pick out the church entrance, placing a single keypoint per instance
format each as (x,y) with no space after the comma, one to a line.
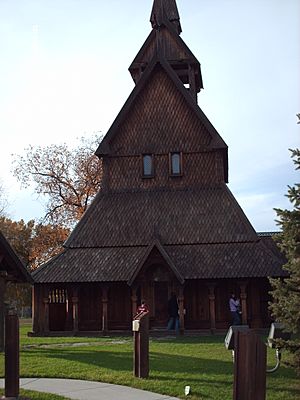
(155,283)
(160,304)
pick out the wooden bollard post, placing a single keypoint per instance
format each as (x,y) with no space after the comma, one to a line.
(141,345)
(12,355)
(250,361)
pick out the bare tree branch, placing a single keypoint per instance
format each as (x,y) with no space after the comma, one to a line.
(69,178)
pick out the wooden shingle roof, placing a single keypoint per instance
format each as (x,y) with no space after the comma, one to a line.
(203,234)
(180,51)
(11,264)
(204,214)
(159,64)
(205,261)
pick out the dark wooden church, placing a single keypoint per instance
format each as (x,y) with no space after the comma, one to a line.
(164,220)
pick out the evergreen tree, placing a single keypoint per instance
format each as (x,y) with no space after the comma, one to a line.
(285,305)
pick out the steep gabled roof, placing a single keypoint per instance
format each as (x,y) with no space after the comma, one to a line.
(198,215)
(157,62)
(156,245)
(152,41)
(10,263)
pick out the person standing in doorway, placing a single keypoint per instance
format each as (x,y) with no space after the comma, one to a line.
(173,313)
(234,306)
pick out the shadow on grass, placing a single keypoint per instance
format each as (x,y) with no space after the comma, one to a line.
(207,377)
(123,360)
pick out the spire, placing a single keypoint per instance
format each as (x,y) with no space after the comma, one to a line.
(165,9)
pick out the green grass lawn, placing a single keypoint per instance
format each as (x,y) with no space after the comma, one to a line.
(32,395)
(201,362)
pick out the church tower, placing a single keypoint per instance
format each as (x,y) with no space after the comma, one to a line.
(164,41)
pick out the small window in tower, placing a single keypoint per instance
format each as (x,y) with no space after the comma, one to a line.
(175,164)
(148,168)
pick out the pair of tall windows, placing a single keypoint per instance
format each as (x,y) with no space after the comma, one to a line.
(175,164)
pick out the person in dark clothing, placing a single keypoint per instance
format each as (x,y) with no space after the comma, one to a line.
(173,313)
(234,306)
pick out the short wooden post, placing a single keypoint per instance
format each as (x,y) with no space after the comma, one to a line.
(75,313)
(141,346)
(11,355)
(250,360)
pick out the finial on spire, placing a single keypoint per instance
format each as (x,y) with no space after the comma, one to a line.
(165,9)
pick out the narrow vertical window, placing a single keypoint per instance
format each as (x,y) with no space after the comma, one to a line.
(148,170)
(176,164)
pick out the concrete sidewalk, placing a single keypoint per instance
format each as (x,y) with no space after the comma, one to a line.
(86,390)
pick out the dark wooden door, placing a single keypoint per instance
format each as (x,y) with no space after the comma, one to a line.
(57,316)
(160,304)
(90,308)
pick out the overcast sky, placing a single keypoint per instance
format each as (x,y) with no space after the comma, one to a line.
(63,73)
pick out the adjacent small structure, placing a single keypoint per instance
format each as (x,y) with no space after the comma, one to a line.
(11,270)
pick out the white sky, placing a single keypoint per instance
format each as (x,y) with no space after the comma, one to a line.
(63,73)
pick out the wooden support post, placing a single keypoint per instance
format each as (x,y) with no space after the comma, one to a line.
(46,314)
(250,360)
(141,345)
(181,310)
(243,286)
(34,307)
(37,309)
(104,309)
(75,314)
(2,309)
(133,302)
(12,355)
(212,306)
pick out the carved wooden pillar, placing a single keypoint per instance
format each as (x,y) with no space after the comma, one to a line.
(2,309)
(104,309)
(75,311)
(133,302)
(181,310)
(243,286)
(46,314)
(212,306)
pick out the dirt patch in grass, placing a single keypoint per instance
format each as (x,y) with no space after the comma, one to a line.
(77,344)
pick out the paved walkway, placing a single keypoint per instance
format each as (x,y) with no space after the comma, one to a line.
(86,390)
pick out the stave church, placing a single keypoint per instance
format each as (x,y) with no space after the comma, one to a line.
(164,219)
